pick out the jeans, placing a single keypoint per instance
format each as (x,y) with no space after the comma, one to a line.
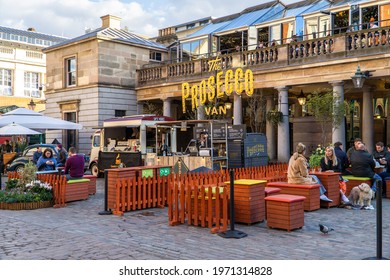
(376,178)
(322,188)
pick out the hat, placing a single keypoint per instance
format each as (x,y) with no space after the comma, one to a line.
(59,146)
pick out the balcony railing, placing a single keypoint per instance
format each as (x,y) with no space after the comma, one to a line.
(350,44)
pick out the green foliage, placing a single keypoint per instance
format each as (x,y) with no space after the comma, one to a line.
(31,192)
(315,158)
(29,173)
(275,117)
(326,108)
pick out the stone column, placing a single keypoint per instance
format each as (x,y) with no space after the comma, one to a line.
(200,112)
(237,109)
(270,131)
(283,127)
(140,108)
(167,107)
(338,134)
(368,119)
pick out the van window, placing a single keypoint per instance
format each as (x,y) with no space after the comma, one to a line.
(96,141)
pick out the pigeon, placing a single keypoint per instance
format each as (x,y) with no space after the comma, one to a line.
(324,229)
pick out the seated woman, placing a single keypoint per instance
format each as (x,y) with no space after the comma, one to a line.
(297,172)
(47,162)
(330,163)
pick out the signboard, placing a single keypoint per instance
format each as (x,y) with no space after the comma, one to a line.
(147,173)
(219,131)
(236,131)
(165,171)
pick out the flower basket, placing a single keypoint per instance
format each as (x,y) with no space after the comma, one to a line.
(275,117)
(25,205)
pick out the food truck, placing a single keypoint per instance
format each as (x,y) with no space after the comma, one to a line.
(192,143)
(123,142)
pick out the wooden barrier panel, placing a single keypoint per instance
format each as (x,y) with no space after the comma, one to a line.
(205,206)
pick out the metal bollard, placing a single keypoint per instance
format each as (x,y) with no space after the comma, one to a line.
(105,211)
(232,233)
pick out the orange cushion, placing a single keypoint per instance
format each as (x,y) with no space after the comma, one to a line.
(298,186)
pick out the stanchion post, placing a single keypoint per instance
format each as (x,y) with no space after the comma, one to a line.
(378,223)
(105,211)
(232,233)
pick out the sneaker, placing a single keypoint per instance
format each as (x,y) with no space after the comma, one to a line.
(344,198)
(325,198)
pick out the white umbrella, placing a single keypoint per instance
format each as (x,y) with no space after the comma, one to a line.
(16,129)
(35,120)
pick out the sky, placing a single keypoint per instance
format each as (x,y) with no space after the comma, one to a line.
(70,18)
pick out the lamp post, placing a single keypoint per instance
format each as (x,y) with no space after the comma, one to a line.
(32,105)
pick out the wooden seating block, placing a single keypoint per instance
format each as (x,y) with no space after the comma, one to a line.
(92,183)
(271,191)
(330,180)
(76,190)
(285,211)
(310,192)
(249,204)
(355,181)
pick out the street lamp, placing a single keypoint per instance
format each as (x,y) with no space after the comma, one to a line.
(31,105)
(301,99)
(359,77)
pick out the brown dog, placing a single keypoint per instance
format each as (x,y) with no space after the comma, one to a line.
(361,194)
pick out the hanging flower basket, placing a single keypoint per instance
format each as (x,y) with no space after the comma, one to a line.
(275,117)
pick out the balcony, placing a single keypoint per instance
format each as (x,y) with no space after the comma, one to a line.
(346,47)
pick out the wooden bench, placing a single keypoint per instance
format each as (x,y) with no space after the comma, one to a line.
(92,183)
(76,189)
(285,211)
(310,192)
(355,181)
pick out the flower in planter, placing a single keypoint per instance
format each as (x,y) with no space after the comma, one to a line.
(31,192)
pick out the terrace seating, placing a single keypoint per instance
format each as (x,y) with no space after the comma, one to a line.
(77,189)
(310,192)
(355,181)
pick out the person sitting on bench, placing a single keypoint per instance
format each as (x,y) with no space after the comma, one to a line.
(297,172)
(74,165)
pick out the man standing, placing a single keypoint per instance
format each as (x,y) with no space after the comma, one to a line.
(74,166)
(342,156)
(37,154)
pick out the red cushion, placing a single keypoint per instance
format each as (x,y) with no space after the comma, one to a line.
(285,198)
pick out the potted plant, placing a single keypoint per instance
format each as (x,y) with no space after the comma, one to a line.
(315,158)
(26,193)
(275,116)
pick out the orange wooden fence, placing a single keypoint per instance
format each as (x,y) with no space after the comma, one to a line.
(146,192)
(199,205)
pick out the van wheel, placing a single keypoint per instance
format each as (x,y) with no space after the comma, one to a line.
(95,170)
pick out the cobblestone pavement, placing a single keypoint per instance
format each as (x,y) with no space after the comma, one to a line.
(78,232)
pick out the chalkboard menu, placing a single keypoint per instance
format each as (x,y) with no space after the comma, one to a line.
(219,131)
(236,131)
(199,129)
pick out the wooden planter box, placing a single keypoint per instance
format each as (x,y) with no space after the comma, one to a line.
(249,204)
(330,180)
(355,181)
(92,183)
(25,205)
(268,192)
(76,190)
(310,192)
(285,211)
